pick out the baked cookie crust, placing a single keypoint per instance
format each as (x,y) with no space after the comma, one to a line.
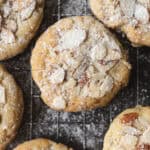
(41,144)
(79,65)
(19,21)
(130,16)
(11,107)
(129,130)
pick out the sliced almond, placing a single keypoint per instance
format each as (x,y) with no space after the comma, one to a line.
(96,80)
(113,55)
(6,10)
(85,91)
(104,67)
(94,91)
(129,141)
(98,52)
(106,86)
(141,123)
(18,5)
(69,84)
(57,76)
(27,12)
(128,7)
(144,2)
(59,103)
(72,38)
(129,118)
(2,95)
(11,25)
(143,147)
(131,130)
(145,138)
(141,13)
(7,36)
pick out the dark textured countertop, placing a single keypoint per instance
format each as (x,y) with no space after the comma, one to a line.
(83,130)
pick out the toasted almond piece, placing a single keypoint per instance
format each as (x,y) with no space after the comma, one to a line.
(7,36)
(141,13)
(143,147)
(6,10)
(59,103)
(128,7)
(57,76)
(129,118)
(107,85)
(141,123)
(146,2)
(131,130)
(145,138)
(85,91)
(69,84)
(104,67)
(72,38)
(113,55)
(98,52)
(96,80)
(18,5)
(129,141)
(2,95)
(11,25)
(27,12)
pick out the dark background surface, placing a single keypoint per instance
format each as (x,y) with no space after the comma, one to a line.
(83,130)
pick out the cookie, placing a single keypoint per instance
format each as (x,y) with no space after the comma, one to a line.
(129,130)
(130,16)
(42,144)
(79,65)
(11,107)
(19,20)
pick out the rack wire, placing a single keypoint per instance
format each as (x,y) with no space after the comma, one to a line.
(84,130)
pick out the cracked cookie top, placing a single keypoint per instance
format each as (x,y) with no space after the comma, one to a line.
(77,62)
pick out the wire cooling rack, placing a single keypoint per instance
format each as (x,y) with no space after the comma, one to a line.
(85,130)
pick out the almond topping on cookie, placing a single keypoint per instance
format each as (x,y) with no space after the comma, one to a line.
(6,10)
(98,52)
(27,12)
(129,118)
(141,123)
(107,85)
(2,95)
(146,137)
(141,13)
(131,130)
(129,141)
(146,2)
(7,36)
(72,38)
(59,103)
(11,25)
(143,147)
(57,76)
(128,7)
